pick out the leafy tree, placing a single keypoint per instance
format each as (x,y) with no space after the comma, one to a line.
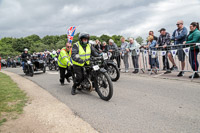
(139,40)
(60,44)
(104,38)
(33,38)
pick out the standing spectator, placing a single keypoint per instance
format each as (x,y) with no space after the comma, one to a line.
(124,53)
(132,46)
(115,52)
(151,33)
(104,47)
(153,62)
(164,40)
(194,37)
(179,36)
(98,46)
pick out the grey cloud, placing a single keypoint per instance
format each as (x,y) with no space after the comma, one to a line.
(129,18)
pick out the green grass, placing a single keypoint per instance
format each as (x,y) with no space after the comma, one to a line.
(12,99)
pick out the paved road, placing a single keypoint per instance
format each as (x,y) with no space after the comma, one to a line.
(139,104)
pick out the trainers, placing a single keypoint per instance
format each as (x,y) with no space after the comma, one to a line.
(167,72)
(136,71)
(174,68)
(181,73)
(196,75)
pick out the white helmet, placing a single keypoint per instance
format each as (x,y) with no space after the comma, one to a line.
(25,49)
(54,52)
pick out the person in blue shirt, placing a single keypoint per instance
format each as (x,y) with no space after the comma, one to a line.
(179,36)
(153,61)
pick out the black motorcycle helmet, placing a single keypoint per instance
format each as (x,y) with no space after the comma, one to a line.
(83,35)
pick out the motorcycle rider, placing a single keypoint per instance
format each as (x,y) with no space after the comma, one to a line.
(53,55)
(64,63)
(24,56)
(81,51)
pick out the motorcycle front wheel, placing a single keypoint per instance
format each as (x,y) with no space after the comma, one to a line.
(113,72)
(104,87)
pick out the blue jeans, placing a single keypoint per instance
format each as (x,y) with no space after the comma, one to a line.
(23,65)
(153,62)
(193,59)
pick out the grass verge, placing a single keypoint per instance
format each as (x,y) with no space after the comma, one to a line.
(12,99)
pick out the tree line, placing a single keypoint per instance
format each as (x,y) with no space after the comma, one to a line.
(10,46)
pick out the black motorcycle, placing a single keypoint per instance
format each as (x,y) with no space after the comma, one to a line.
(110,66)
(28,67)
(96,79)
(38,64)
(53,64)
(14,64)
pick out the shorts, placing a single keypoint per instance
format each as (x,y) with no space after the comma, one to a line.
(181,55)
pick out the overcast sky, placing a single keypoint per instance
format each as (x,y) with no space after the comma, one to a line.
(130,18)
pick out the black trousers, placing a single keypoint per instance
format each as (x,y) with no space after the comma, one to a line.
(78,71)
(165,62)
(64,75)
(118,59)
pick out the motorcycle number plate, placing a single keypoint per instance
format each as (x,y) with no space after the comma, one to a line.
(29,62)
(96,67)
(105,56)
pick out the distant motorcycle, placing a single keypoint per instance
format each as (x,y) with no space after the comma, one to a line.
(96,79)
(28,67)
(14,64)
(33,65)
(53,65)
(110,66)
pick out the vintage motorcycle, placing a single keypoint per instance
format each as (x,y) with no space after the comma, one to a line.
(28,67)
(110,66)
(53,64)
(96,79)
(33,65)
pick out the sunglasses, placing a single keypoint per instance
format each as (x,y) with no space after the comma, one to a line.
(178,24)
(69,46)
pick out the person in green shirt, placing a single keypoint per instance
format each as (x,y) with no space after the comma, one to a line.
(194,37)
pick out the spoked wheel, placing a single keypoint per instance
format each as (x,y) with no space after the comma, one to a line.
(105,86)
(50,67)
(31,71)
(113,72)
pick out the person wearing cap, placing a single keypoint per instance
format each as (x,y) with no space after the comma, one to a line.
(81,53)
(24,56)
(163,41)
(112,47)
(179,36)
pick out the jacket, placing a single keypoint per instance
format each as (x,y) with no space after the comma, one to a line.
(193,37)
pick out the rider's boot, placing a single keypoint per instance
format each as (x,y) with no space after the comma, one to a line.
(73,92)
